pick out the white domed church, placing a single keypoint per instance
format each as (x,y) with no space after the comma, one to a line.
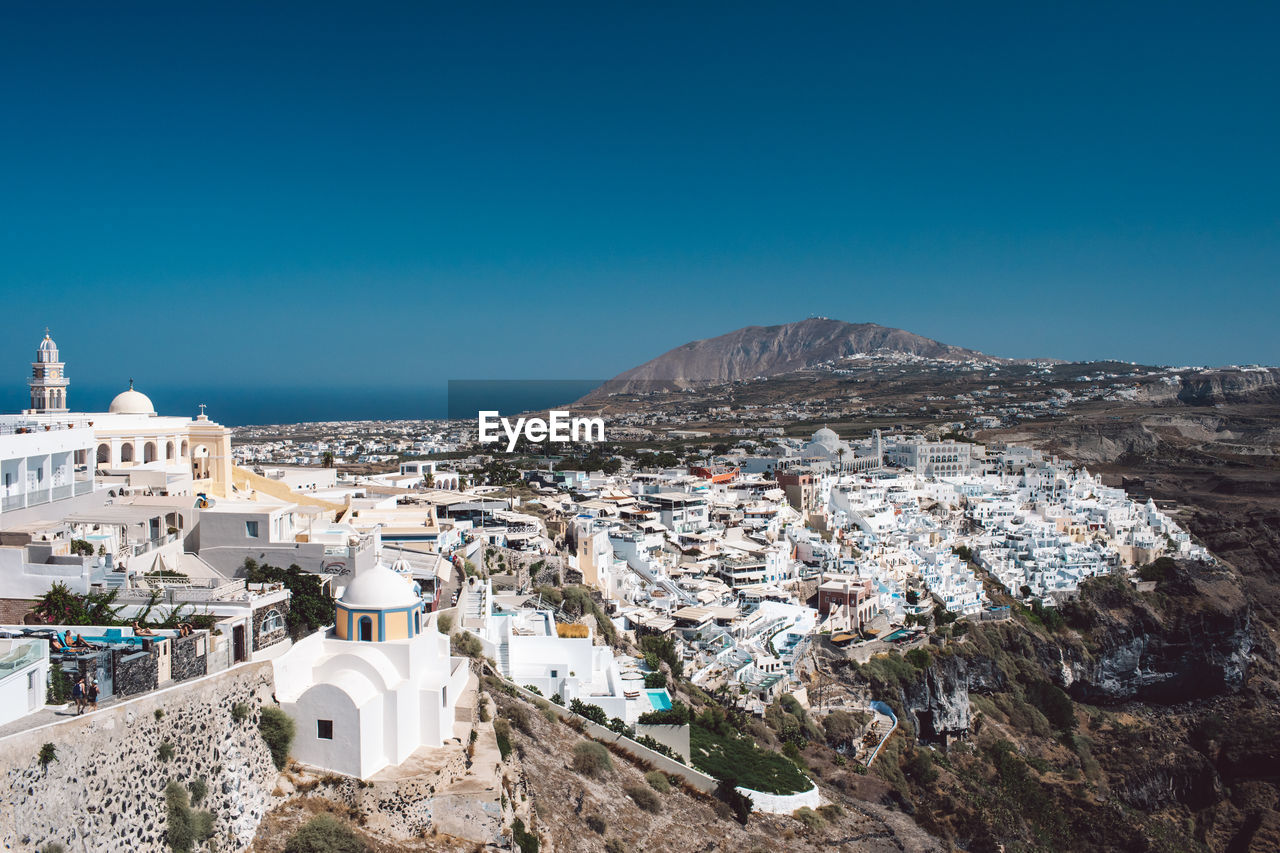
(378,685)
(130,435)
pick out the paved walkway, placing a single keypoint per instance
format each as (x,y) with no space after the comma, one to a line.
(50,714)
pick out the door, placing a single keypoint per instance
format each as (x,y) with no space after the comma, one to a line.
(237,643)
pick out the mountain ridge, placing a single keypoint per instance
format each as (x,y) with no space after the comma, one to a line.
(762,351)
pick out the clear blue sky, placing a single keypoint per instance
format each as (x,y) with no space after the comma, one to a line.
(366,193)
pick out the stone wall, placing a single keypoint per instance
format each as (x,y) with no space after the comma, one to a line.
(260,640)
(13,611)
(190,656)
(135,672)
(105,790)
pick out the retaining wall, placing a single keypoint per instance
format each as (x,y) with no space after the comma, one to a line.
(782,803)
(695,778)
(105,790)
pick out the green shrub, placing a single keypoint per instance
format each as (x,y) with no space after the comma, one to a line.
(525,841)
(277,730)
(159,714)
(556,698)
(658,781)
(596,824)
(655,680)
(920,767)
(165,752)
(518,714)
(483,712)
(240,712)
(644,797)
(325,833)
(919,658)
(47,755)
(502,731)
(1054,703)
(466,644)
(533,688)
(591,759)
(58,691)
(807,816)
(199,790)
(831,811)
(677,715)
(739,803)
(594,713)
(732,756)
(444,623)
(616,845)
(185,828)
(53,847)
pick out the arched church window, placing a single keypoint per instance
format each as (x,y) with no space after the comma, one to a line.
(168,451)
(417,622)
(184,448)
(104,453)
(149,452)
(126,452)
(366,629)
(273,621)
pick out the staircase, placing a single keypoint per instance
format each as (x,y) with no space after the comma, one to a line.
(504,659)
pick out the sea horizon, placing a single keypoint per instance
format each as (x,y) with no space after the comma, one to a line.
(243,407)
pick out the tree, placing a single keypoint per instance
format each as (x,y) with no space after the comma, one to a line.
(61,606)
(326,459)
(310,607)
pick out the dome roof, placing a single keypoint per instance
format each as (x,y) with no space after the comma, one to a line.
(381,589)
(47,345)
(826,437)
(132,402)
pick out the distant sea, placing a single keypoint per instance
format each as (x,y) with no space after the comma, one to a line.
(242,406)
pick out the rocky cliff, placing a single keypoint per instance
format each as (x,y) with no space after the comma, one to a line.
(1190,639)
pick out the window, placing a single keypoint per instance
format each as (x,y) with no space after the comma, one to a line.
(251,529)
(324,729)
(555,673)
(273,621)
(366,629)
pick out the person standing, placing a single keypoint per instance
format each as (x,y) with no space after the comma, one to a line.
(77,695)
(93,695)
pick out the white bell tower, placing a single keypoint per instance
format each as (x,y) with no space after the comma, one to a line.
(48,381)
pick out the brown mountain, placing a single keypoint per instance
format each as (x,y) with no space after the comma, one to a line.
(756,351)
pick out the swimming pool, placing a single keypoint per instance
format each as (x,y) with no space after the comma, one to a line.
(898,634)
(659,700)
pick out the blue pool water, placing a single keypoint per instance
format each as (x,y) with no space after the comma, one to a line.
(659,700)
(896,634)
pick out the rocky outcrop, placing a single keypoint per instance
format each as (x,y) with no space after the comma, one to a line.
(1190,639)
(937,702)
(757,351)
